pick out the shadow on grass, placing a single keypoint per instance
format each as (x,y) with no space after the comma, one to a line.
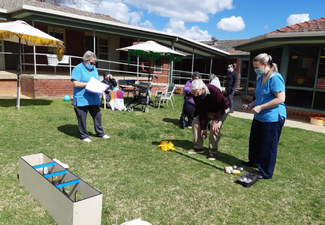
(173,121)
(24,102)
(225,158)
(69,129)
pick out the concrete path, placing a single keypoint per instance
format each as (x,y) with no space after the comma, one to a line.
(239,112)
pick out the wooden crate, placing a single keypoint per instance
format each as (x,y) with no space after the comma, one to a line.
(67,198)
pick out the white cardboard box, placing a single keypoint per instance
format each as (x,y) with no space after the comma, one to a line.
(62,203)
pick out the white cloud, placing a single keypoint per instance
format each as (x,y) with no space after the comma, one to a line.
(232,24)
(178,27)
(266,26)
(147,24)
(135,18)
(186,10)
(114,9)
(297,18)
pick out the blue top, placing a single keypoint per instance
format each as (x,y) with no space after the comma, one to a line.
(80,96)
(265,94)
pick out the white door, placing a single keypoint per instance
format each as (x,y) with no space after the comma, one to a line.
(2,56)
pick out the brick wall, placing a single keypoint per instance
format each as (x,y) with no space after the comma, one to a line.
(8,86)
(46,88)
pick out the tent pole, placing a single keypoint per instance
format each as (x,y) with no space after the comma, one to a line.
(18,77)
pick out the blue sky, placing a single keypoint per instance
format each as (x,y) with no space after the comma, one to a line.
(202,19)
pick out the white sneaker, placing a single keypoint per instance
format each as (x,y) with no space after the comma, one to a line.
(86,140)
(106,136)
(189,127)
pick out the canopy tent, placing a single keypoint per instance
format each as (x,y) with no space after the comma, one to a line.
(152,50)
(23,33)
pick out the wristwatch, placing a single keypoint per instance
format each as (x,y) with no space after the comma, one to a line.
(216,121)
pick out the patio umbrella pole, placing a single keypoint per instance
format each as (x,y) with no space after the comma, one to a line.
(200,160)
(18,77)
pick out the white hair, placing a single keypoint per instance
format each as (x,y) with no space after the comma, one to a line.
(89,55)
(197,84)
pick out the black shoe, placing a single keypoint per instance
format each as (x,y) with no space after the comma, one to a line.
(248,179)
(231,111)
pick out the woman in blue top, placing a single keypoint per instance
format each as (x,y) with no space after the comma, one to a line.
(84,101)
(269,116)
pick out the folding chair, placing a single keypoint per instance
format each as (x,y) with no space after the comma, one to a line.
(167,94)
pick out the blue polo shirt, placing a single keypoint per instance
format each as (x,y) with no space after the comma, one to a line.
(80,96)
(265,94)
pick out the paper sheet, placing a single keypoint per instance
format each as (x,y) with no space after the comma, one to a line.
(96,86)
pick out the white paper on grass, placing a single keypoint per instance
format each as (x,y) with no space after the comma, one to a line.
(136,222)
(96,86)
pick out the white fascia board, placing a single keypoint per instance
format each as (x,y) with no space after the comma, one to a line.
(239,54)
(282,35)
(118,24)
(3,10)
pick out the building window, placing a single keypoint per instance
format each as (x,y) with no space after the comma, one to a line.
(158,66)
(302,66)
(299,98)
(103,48)
(58,33)
(319,100)
(320,83)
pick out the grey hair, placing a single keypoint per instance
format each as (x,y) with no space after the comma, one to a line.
(89,55)
(265,58)
(197,84)
(196,74)
(212,76)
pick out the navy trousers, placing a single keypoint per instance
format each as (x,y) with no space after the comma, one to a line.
(263,145)
(189,112)
(94,111)
(231,94)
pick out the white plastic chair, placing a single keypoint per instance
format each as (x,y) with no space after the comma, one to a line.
(167,94)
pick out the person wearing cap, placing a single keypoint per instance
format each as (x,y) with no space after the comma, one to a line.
(189,109)
(231,85)
(85,101)
(109,80)
(211,105)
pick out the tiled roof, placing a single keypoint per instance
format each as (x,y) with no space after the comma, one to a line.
(307,26)
(9,4)
(225,45)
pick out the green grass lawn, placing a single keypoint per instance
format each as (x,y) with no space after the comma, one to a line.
(167,187)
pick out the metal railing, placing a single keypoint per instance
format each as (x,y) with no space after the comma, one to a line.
(179,77)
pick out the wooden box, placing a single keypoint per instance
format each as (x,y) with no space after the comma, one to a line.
(66,197)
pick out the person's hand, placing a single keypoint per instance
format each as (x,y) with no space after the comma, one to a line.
(204,133)
(246,107)
(215,127)
(256,109)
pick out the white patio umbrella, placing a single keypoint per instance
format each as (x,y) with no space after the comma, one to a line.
(23,33)
(152,50)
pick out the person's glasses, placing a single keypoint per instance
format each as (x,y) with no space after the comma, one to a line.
(91,63)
